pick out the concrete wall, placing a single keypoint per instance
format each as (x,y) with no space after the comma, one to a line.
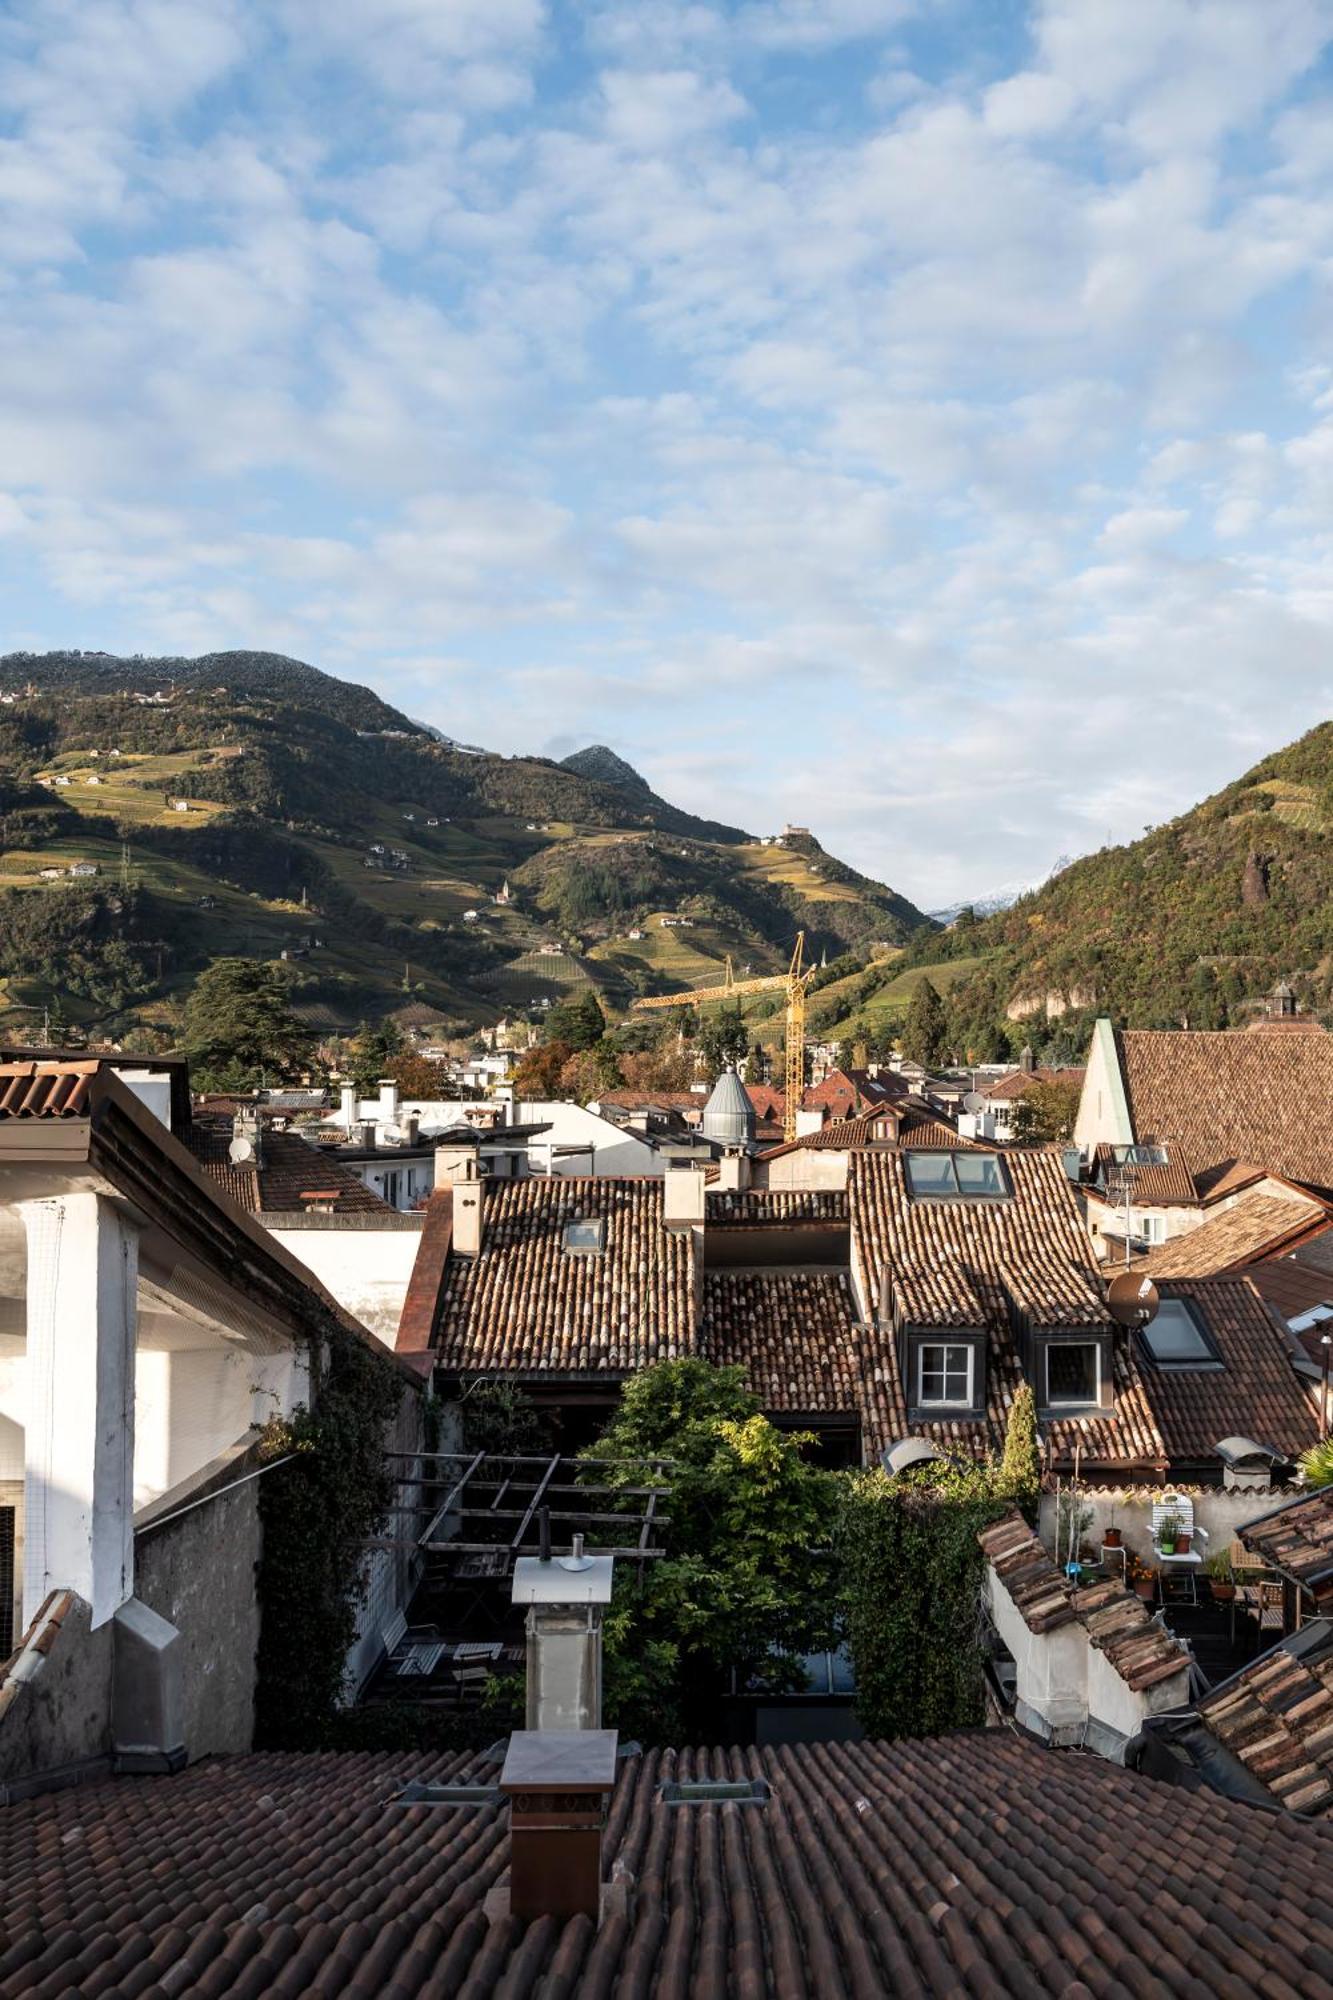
(614,1151)
(62,1719)
(366,1270)
(192,1404)
(198,1572)
(811,1167)
(1220,1512)
(1052,1668)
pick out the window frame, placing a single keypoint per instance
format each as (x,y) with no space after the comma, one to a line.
(917,1154)
(968,1349)
(1071,1405)
(1209,1362)
(596,1223)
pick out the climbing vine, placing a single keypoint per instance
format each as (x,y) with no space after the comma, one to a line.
(317,1511)
(912,1574)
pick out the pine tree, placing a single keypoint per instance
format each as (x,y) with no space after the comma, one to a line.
(923,1036)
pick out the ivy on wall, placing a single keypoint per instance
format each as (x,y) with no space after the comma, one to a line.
(317,1512)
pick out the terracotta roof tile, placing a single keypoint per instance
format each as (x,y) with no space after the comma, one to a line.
(794,1333)
(1256,1225)
(45,1089)
(761,1207)
(1255,1394)
(1276,1716)
(1158,1183)
(975,1864)
(528,1303)
(291,1175)
(1234,1096)
(1298,1540)
(1019,1082)
(1290,1287)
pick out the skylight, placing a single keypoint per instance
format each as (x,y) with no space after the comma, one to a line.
(1139,1156)
(587,1237)
(957,1176)
(1175,1338)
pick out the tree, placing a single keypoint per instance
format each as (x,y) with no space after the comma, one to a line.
(240,1030)
(537,1077)
(1020,1466)
(743,1585)
(1045,1114)
(666,1068)
(756,1064)
(923,1035)
(373,1054)
(578,1020)
(591,1071)
(722,1040)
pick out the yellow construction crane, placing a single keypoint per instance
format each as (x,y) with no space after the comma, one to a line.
(794,981)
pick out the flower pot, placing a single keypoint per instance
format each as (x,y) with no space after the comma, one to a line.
(1168,1548)
(1145,1588)
(1222,1592)
(1111,1539)
(1182,1545)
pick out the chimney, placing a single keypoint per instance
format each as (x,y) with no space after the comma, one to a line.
(412,1129)
(365,1133)
(558,1781)
(388,1113)
(565,1600)
(733,1172)
(347,1108)
(469,1196)
(683,1190)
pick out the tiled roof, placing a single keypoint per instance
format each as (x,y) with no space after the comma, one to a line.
(527,1303)
(769,1205)
(1020,1081)
(964,1264)
(792,1331)
(291,1172)
(924,1128)
(1298,1540)
(1226,1177)
(45,1089)
(1276,1715)
(1117,1622)
(972,1865)
(1234,1096)
(1255,1394)
(1153,1185)
(1290,1287)
(1257,1225)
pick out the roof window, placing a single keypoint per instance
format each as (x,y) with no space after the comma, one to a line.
(957,1176)
(1139,1156)
(1176,1338)
(586,1238)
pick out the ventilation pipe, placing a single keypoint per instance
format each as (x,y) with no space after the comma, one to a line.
(565,1597)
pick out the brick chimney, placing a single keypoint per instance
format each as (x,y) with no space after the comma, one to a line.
(557,1781)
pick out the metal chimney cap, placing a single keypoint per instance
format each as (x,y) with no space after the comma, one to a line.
(536,1582)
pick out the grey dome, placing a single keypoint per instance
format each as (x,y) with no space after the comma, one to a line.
(729,1114)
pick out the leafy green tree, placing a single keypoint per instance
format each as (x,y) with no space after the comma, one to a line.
(1020,1467)
(923,1034)
(374,1053)
(240,1030)
(579,1021)
(1045,1114)
(743,1584)
(722,1039)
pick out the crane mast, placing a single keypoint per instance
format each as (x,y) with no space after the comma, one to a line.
(794,982)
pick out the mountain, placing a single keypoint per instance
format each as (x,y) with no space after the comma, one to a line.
(1195,922)
(245,802)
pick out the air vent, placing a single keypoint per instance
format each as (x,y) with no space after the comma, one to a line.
(718,1792)
(415,1794)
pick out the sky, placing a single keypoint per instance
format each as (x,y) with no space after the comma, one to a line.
(911,418)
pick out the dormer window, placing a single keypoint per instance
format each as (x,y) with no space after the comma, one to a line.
(956,1176)
(944,1375)
(1073,1374)
(586,1239)
(1177,1339)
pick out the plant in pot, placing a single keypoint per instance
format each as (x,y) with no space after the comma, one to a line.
(1140,1578)
(1168,1534)
(1111,1533)
(1220,1579)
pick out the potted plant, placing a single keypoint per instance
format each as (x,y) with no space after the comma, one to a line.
(1140,1578)
(1220,1579)
(1167,1534)
(1184,1536)
(1111,1533)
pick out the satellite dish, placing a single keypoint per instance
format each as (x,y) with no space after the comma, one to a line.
(240,1150)
(1132,1299)
(974,1102)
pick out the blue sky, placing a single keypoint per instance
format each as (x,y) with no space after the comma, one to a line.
(909,417)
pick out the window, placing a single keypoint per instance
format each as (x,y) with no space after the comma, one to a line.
(586,1237)
(957,1176)
(1154,1228)
(944,1374)
(1139,1156)
(1176,1338)
(1073,1373)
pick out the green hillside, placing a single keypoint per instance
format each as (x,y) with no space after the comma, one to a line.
(1193,923)
(244,802)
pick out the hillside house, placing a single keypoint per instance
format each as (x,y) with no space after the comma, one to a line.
(81,870)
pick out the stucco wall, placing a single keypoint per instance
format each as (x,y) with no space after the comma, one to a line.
(1220,1512)
(62,1719)
(614,1151)
(366,1270)
(811,1167)
(198,1572)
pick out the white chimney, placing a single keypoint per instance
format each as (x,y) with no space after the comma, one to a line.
(388,1114)
(469,1196)
(347,1107)
(683,1191)
(565,1598)
(733,1172)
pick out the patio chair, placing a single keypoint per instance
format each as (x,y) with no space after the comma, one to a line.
(1269,1612)
(1180,1571)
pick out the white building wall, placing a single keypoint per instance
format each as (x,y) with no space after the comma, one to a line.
(1103,1111)
(366,1270)
(190,1406)
(613,1151)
